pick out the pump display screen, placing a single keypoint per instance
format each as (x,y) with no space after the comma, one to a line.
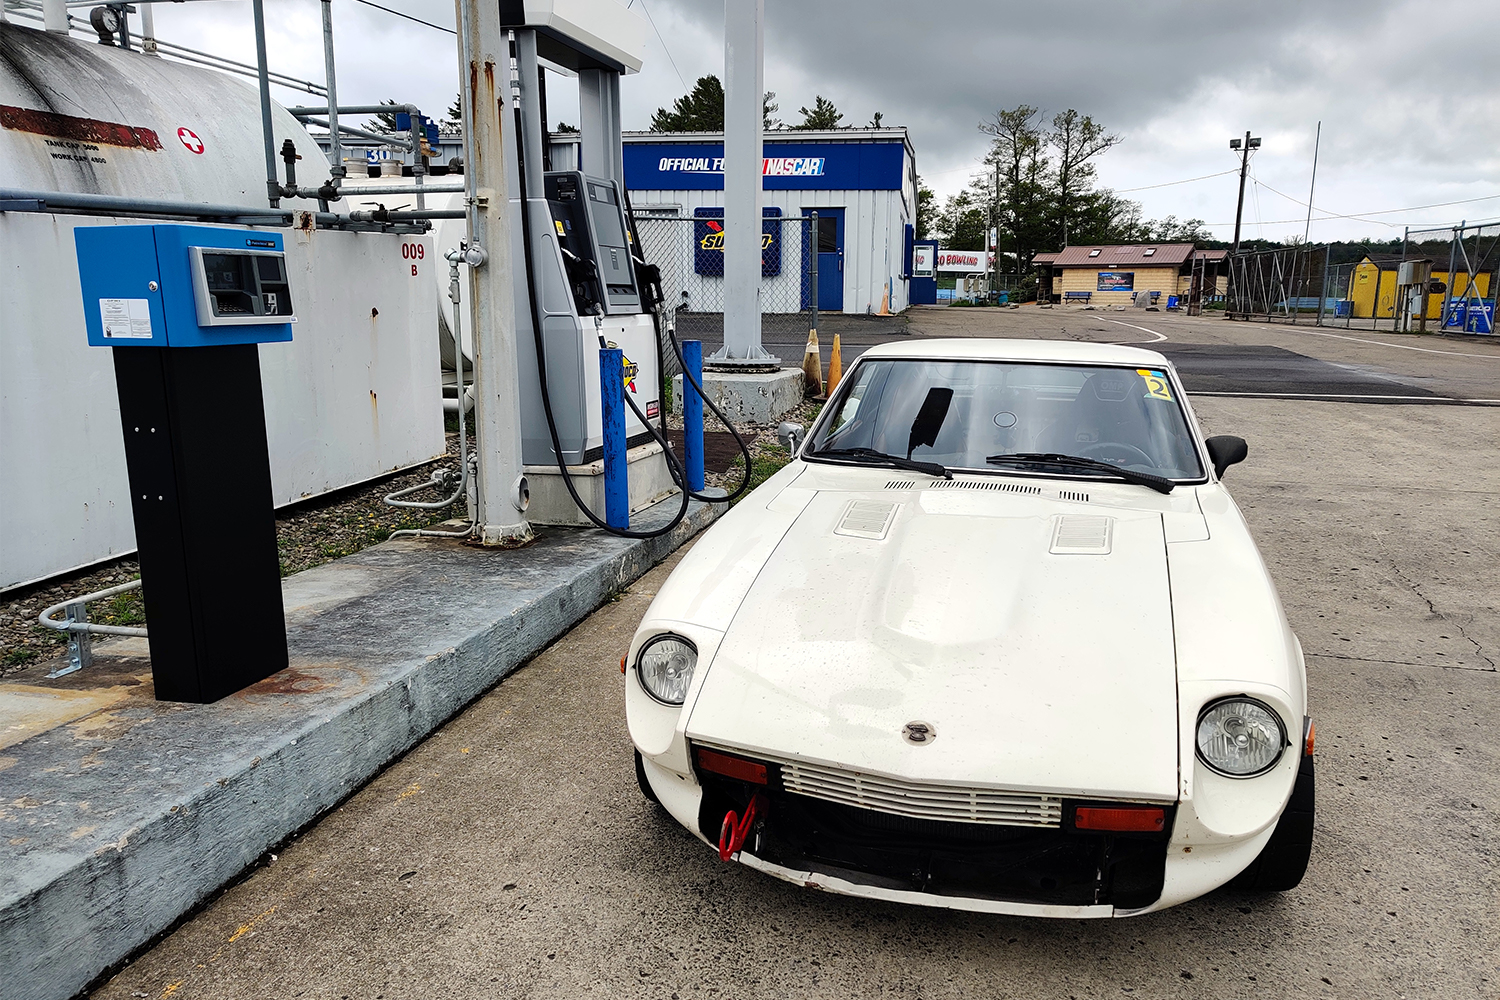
(240,286)
(606,212)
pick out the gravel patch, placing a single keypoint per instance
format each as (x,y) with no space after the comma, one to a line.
(309,534)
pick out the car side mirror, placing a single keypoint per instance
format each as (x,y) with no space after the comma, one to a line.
(790,435)
(1225,450)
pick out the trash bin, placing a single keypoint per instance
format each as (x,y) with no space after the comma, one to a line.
(1343,308)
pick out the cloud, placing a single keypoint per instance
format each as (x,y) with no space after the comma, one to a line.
(1407,91)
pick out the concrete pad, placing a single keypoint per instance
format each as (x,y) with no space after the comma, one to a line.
(116,823)
(750,397)
(649,478)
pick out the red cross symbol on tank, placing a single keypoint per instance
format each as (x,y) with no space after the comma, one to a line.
(190,140)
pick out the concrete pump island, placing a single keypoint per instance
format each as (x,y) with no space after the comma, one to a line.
(496,551)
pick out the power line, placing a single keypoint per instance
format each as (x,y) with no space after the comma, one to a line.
(1363,216)
(369,3)
(1186,180)
(685,87)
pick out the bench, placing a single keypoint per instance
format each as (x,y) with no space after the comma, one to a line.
(1077,296)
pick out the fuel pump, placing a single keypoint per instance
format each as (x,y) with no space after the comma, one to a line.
(582,288)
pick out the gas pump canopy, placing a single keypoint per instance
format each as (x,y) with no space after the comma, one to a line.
(581,34)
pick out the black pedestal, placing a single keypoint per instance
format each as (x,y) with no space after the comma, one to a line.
(200,487)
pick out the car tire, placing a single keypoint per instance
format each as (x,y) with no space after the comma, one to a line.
(640,777)
(1283,861)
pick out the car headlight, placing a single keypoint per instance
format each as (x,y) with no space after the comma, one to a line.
(1240,737)
(665,666)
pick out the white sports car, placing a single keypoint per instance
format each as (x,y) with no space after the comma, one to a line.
(996,639)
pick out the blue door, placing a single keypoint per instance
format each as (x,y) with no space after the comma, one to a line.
(830,237)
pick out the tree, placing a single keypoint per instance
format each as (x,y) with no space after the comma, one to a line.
(565,127)
(384,122)
(926,211)
(961,223)
(875,120)
(823,115)
(768,108)
(453,118)
(1021,199)
(702,109)
(1077,139)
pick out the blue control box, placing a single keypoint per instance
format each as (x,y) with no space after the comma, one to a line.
(183,286)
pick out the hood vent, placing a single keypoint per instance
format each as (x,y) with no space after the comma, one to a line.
(867,518)
(1072,495)
(1081,534)
(993,485)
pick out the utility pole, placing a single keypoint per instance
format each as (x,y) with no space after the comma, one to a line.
(1239,211)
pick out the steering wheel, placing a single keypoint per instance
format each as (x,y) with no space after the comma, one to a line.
(1119,453)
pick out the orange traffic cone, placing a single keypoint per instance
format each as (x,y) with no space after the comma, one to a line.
(835,366)
(812,364)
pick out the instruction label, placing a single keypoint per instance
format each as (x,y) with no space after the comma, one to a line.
(126,318)
(1156,384)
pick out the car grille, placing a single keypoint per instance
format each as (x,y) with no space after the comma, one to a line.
(919,800)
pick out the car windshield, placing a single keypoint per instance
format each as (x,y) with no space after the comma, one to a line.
(994,415)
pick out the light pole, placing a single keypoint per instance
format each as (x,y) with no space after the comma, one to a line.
(1244,146)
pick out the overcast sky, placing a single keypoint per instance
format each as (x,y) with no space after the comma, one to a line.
(1408,92)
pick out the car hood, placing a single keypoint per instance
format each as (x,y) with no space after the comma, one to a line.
(1035,637)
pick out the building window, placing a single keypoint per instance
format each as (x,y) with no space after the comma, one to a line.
(1093,253)
(1148,251)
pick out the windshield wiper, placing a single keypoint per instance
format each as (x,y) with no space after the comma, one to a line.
(1157,483)
(895,461)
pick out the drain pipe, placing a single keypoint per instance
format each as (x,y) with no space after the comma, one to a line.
(273,184)
(335,149)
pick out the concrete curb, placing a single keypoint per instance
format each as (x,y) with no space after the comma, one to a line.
(114,826)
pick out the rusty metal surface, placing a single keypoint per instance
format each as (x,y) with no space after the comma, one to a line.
(77,129)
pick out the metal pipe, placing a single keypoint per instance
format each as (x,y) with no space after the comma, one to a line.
(336,151)
(359,189)
(148,29)
(273,182)
(62,199)
(501,485)
(55,16)
(384,140)
(357,109)
(45,618)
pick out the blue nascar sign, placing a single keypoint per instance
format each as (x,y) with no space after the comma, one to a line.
(787,166)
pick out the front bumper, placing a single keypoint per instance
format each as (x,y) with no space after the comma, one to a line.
(1031,872)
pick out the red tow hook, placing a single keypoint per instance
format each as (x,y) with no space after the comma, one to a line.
(736,828)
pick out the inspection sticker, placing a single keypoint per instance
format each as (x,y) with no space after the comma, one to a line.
(1156,384)
(126,318)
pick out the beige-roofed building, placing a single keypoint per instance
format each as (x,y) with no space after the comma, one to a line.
(1110,275)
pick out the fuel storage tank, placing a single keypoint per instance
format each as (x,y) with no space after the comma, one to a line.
(356,395)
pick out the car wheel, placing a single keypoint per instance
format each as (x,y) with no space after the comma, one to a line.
(1283,861)
(640,777)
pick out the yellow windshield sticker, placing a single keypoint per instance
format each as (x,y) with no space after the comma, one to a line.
(1156,384)
(559,225)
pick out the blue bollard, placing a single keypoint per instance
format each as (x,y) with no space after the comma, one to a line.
(612,413)
(692,415)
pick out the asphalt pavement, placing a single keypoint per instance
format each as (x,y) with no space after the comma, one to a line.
(511,855)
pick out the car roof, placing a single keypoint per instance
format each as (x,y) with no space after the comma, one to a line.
(988,349)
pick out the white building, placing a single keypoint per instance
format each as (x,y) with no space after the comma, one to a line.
(862,182)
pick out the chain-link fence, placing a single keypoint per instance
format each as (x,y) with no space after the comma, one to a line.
(1435,280)
(690,253)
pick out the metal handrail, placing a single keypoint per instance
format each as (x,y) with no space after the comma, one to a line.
(46,619)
